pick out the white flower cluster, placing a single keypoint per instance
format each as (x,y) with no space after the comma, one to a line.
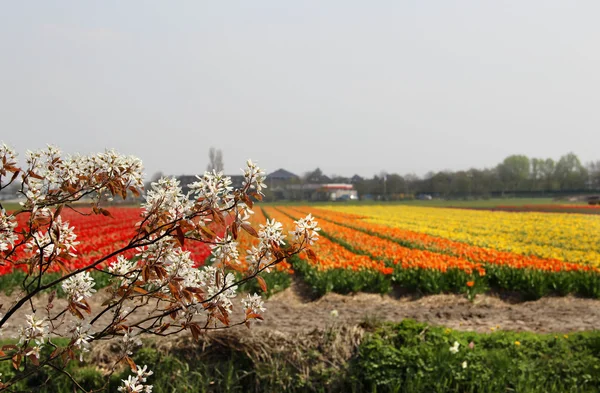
(212,281)
(178,264)
(123,269)
(214,190)
(82,335)
(131,339)
(7,153)
(224,250)
(8,237)
(165,196)
(243,213)
(8,156)
(52,172)
(137,383)
(306,230)
(35,329)
(254,303)
(60,239)
(454,347)
(179,267)
(254,177)
(261,255)
(79,287)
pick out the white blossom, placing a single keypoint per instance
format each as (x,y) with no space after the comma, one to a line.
(79,173)
(8,237)
(131,385)
(7,154)
(131,340)
(254,303)
(136,383)
(61,238)
(35,351)
(243,213)
(306,230)
(224,250)
(214,190)
(271,232)
(454,348)
(82,335)
(165,196)
(254,177)
(79,287)
(35,329)
(143,373)
(122,268)
(215,282)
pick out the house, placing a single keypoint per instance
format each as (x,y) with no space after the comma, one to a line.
(321,192)
(281,176)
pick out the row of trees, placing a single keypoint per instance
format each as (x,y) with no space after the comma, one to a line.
(516,174)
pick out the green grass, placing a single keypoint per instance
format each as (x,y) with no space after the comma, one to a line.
(10,206)
(407,357)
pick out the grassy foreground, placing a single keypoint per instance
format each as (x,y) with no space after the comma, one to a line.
(404,357)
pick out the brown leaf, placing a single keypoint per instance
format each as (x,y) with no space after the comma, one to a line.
(257,196)
(247,201)
(174,290)
(51,297)
(180,236)
(16,361)
(145,273)
(223,318)
(35,175)
(234,231)
(131,363)
(14,176)
(134,191)
(140,290)
(250,230)
(162,328)
(311,255)
(194,289)
(75,311)
(262,283)
(106,213)
(84,306)
(254,316)
(196,331)
(34,360)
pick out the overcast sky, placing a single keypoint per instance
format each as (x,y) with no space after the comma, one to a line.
(349,86)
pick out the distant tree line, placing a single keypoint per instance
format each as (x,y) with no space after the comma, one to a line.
(516,175)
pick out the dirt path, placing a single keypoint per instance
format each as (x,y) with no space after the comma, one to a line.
(292,312)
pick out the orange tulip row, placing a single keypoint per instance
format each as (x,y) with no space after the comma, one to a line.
(445,246)
(332,255)
(388,251)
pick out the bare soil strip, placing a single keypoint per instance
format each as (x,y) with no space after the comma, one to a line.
(292,311)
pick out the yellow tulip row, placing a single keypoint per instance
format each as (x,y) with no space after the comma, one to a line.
(567,237)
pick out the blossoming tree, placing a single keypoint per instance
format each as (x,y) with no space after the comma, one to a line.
(160,277)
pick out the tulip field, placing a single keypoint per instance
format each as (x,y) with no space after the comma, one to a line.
(422,250)
(436,250)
